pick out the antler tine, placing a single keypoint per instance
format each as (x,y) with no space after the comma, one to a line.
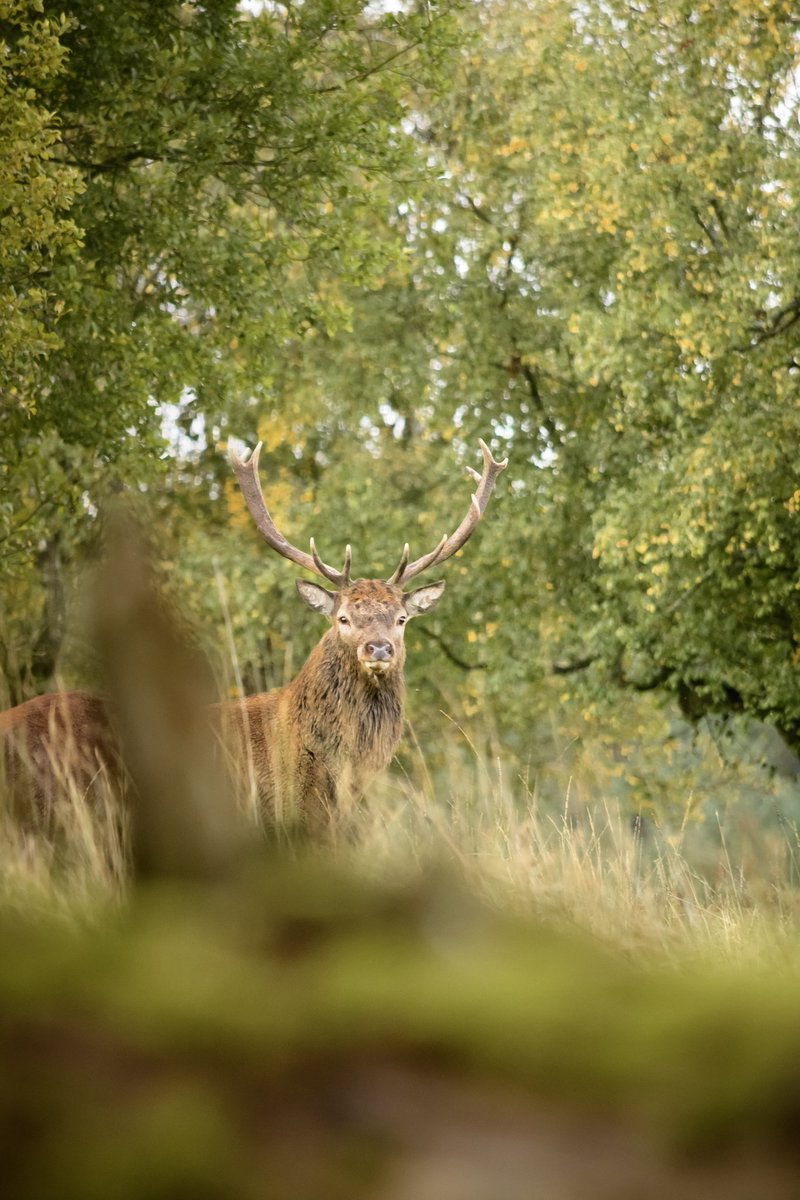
(404,572)
(397,574)
(340,578)
(449,545)
(247,474)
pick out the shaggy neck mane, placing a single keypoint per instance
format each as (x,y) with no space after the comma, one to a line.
(338,691)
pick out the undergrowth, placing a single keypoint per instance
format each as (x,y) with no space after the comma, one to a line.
(644,887)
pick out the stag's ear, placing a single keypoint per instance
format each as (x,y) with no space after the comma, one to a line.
(423,599)
(316,597)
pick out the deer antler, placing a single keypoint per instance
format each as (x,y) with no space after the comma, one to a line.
(449,545)
(247,474)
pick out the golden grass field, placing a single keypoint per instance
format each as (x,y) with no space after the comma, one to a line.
(643,887)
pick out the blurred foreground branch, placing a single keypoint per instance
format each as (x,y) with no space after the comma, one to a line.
(184,815)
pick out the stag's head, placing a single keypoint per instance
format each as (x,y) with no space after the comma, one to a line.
(368,616)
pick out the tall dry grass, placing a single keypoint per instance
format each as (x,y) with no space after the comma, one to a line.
(679,889)
(78,869)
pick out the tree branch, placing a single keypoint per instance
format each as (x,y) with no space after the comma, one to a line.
(459,662)
(466,202)
(576,664)
(778,323)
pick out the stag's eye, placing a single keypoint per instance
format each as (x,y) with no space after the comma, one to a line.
(343,620)
(401,620)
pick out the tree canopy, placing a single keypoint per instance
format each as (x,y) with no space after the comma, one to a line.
(187,190)
(605,272)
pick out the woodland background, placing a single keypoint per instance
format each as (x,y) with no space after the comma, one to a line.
(554,952)
(368,234)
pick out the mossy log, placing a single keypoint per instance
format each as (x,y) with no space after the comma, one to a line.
(302,1034)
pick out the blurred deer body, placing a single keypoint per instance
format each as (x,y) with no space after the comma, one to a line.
(53,744)
(306,748)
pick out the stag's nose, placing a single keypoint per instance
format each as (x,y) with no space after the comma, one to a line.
(379,651)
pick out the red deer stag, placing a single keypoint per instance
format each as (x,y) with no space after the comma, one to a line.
(307,746)
(319,740)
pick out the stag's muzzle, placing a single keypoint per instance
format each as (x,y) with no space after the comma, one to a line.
(379,651)
(377,656)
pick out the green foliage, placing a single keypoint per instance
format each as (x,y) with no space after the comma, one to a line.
(37,192)
(219,167)
(605,275)
(626,296)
